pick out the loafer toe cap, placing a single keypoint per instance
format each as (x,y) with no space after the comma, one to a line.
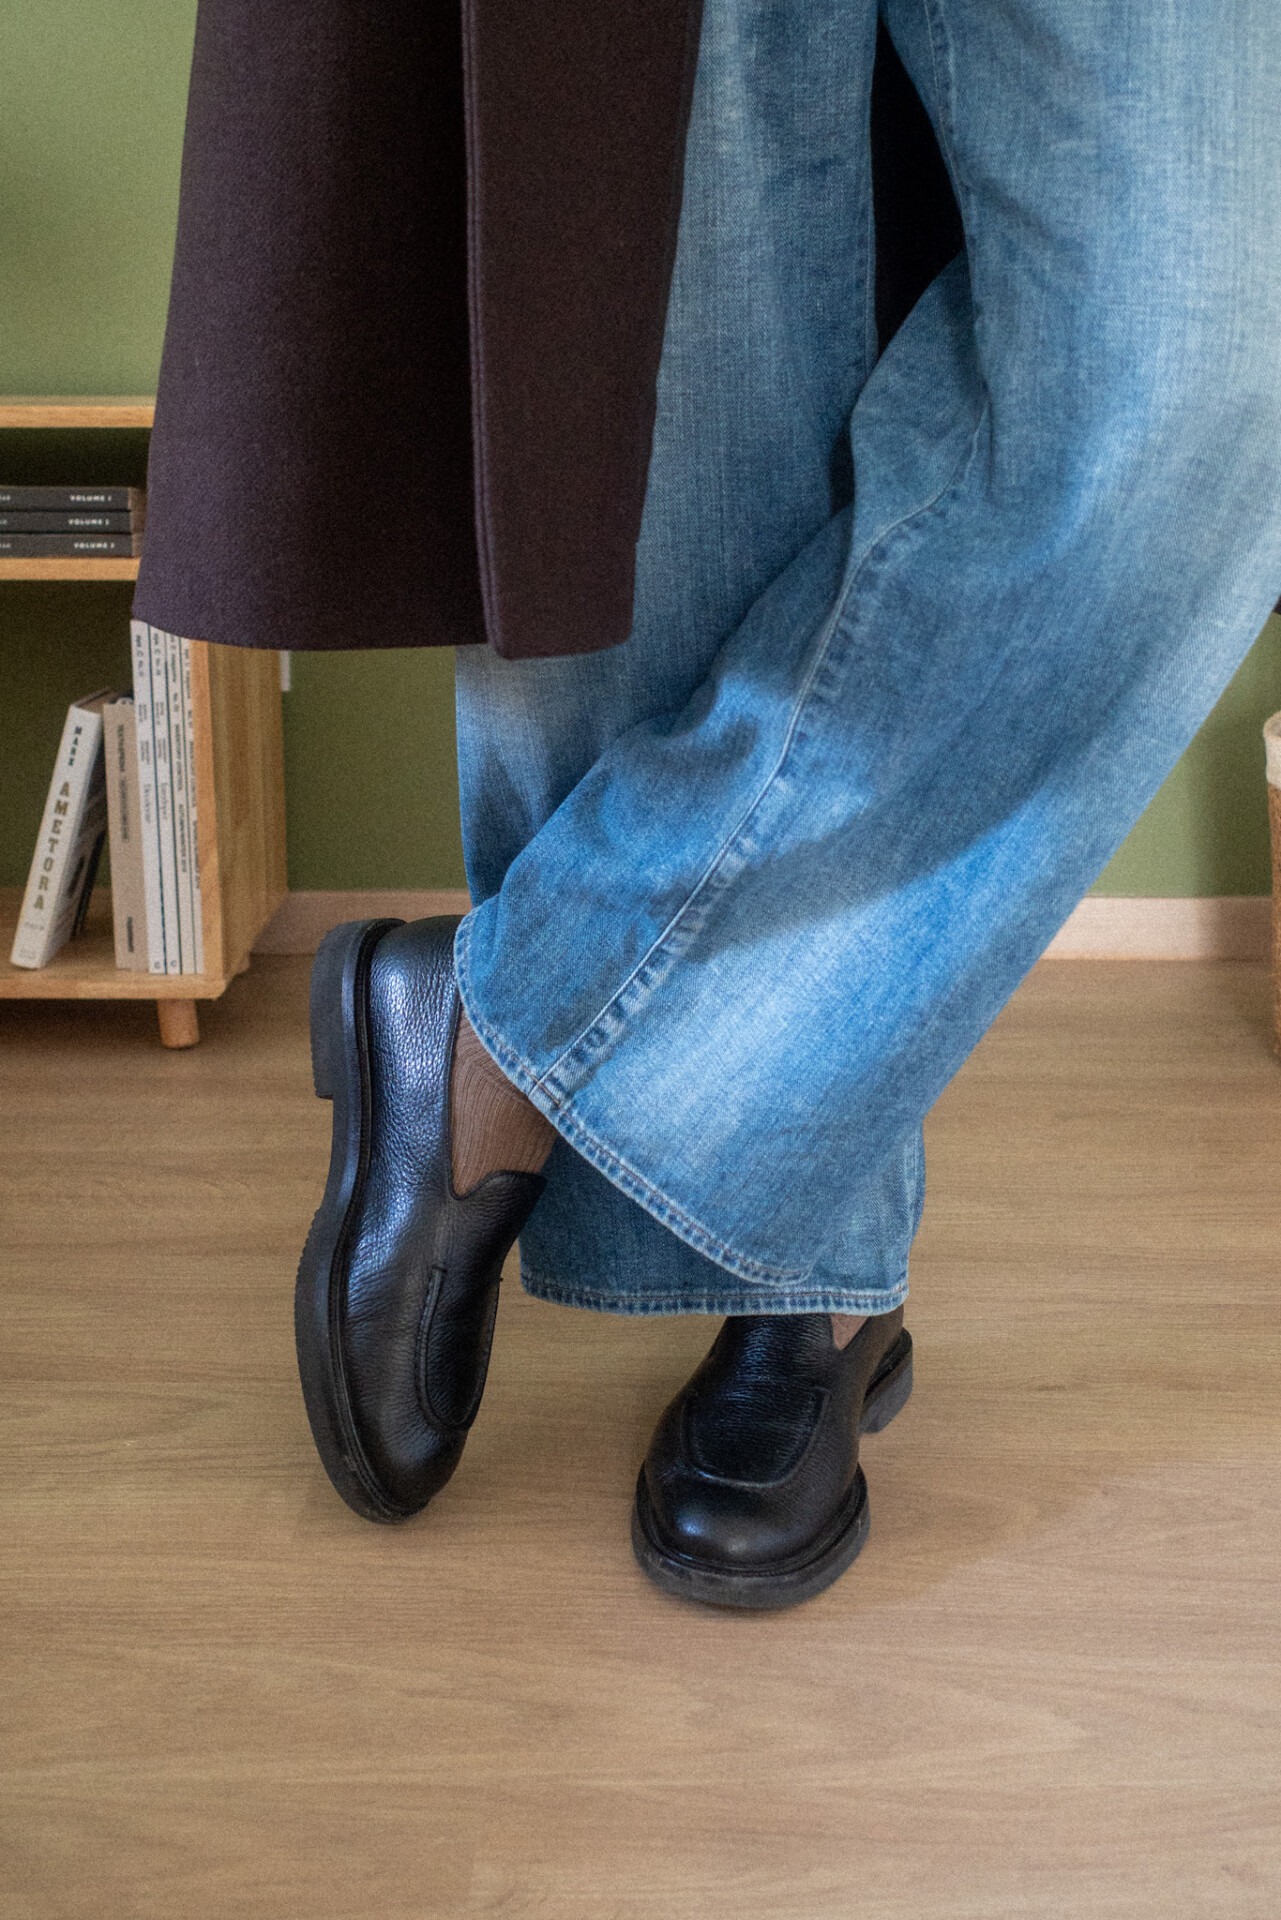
(726,1524)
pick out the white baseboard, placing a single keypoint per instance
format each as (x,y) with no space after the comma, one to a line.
(302,919)
(1105,927)
(1102,927)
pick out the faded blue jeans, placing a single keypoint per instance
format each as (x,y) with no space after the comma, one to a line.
(916,638)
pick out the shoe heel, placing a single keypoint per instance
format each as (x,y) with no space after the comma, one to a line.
(326,990)
(333,974)
(890,1399)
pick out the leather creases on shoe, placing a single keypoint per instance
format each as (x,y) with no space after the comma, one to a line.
(753,1439)
(454,1338)
(752,1494)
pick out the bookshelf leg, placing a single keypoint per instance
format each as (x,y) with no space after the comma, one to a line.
(179,1023)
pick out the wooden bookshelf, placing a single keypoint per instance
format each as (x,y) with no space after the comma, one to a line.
(68,569)
(55,410)
(240,796)
(49,410)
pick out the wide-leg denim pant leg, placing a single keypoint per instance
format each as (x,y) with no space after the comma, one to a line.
(915,640)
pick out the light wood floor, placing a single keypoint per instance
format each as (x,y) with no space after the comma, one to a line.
(1051,1685)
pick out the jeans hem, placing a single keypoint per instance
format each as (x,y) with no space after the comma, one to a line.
(727,1302)
(600,1155)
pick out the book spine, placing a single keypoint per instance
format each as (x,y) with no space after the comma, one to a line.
(164,802)
(178,772)
(128,896)
(81,522)
(69,546)
(147,811)
(93,841)
(189,744)
(66,855)
(70,499)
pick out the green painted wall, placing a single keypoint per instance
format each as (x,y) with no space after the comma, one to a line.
(369,758)
(91,107)
(1207,830)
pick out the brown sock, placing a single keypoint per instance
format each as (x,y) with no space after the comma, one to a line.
(493,1127)
(845,1326)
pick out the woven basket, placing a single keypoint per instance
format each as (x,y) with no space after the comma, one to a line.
(1272,746)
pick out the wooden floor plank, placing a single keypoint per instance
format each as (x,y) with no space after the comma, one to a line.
(1050,1687)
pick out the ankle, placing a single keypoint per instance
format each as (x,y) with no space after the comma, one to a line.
(493,1127)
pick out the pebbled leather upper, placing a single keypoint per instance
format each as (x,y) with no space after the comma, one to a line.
(421,1265)
(753,1464)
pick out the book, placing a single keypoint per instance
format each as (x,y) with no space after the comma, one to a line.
(82,521)
(165,737)
(72,830)
(124,833)
(193,822)
(66,499)
(172,650)
(193,813)
(66,546)
(145,730)
(164,799)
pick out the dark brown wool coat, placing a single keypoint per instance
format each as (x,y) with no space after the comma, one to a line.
(407,390)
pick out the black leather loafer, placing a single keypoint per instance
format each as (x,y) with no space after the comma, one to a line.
(398,1283)
(751,1494)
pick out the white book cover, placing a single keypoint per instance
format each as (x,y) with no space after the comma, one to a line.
(140,637)
(189,743)
(178,776)
(72,830)
(164,802)
(124,834)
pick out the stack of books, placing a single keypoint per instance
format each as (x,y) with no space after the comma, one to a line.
(124,774)
(56,523)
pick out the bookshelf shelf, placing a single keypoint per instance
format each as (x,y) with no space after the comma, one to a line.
(86,968)
(69,569)
(58,410)
(239,770)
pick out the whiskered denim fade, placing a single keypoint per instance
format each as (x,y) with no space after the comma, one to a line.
(916,638)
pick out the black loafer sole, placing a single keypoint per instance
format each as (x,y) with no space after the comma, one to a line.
(340,1070)
(789,1585)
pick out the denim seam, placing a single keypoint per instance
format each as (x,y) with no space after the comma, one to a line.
(822,1300)
(553,1100)
(690,916)
(871,330)
(918,1179)
(598,1153)
(683,922)
(945,95)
